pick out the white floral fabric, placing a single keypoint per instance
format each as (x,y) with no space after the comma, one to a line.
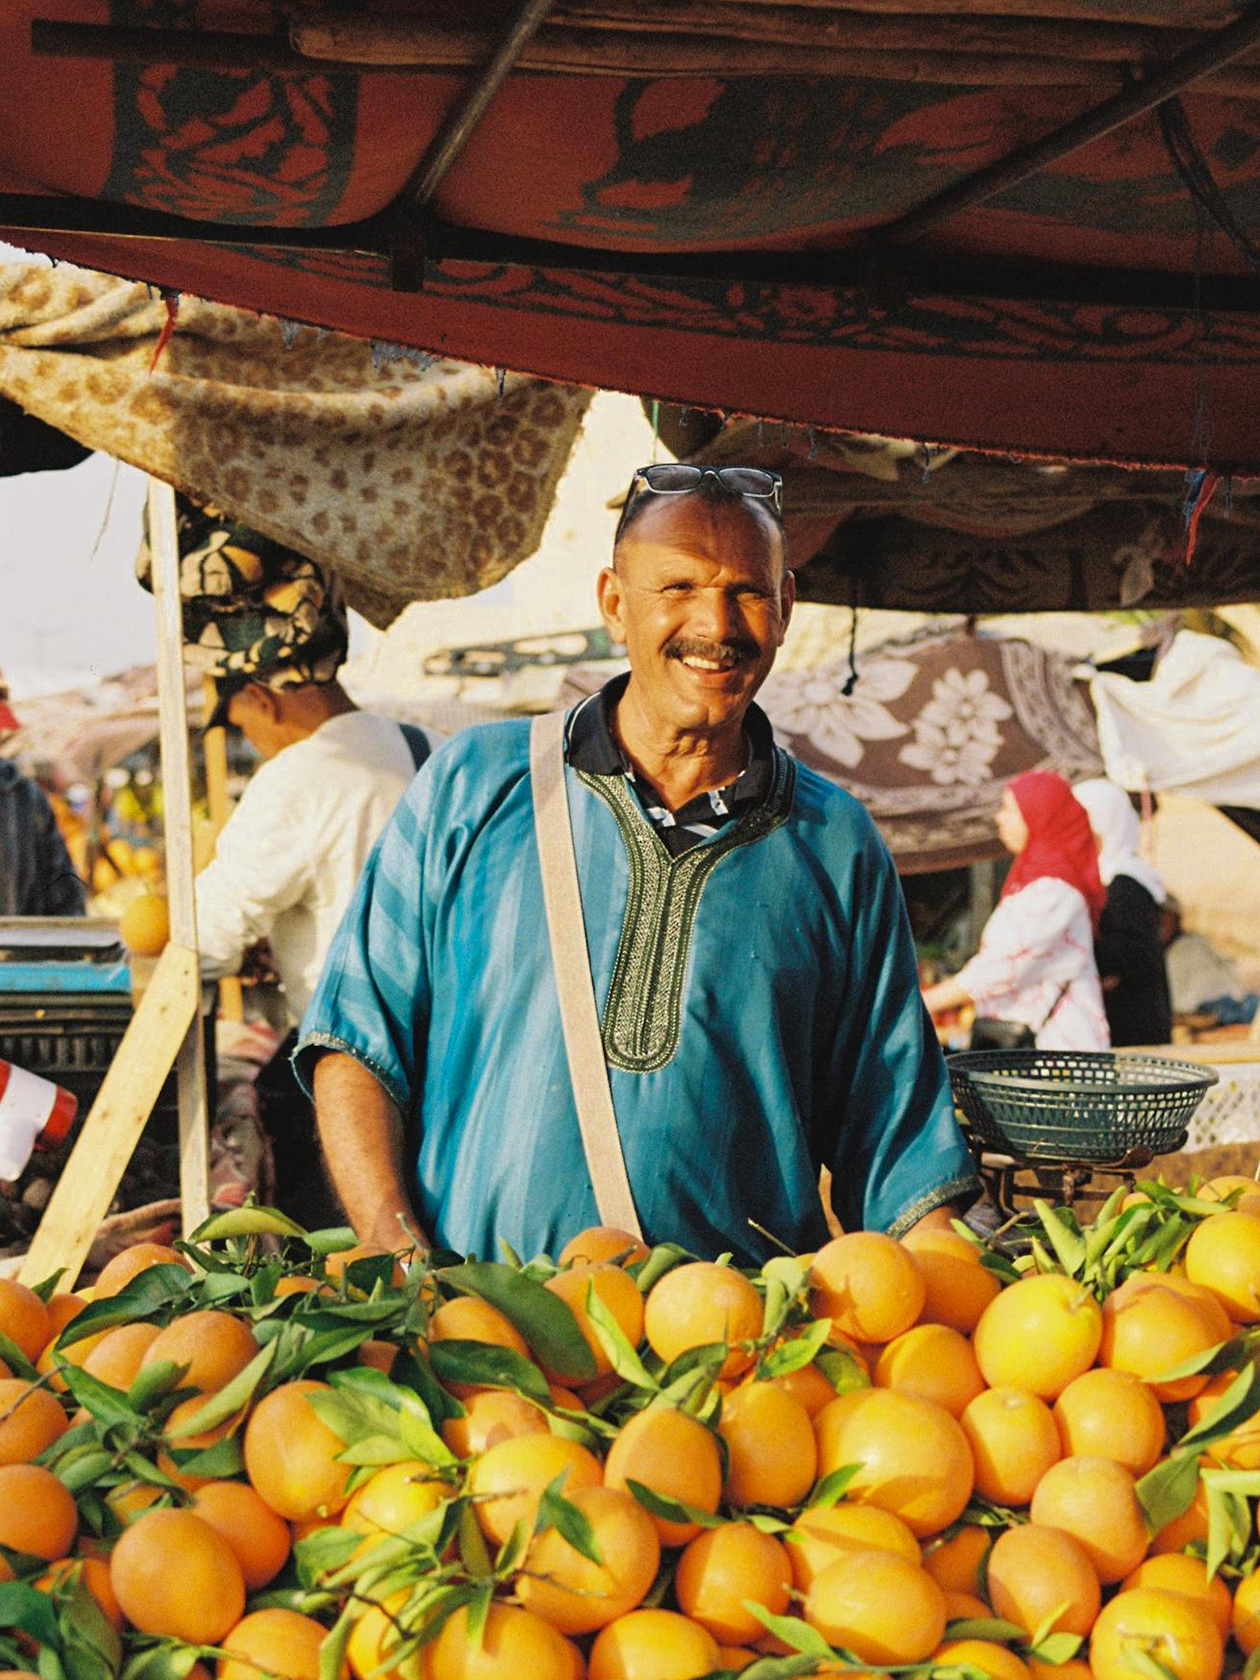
(814,704)
(1037,942)
(956,735)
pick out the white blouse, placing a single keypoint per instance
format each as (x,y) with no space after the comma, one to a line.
(1035,943)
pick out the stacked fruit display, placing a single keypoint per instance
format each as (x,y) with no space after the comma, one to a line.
(270,1453)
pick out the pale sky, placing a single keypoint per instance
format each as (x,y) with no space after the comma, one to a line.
(70,606)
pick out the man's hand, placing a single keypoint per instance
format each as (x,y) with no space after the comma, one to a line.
(361,1132)
(940,1219)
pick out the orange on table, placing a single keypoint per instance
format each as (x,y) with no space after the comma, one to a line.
(1111,1414)
(61,1309)
(735,1657)
(215,1346)
(175,1575)
(291,1454)
(724,1568)
(868,1285)
(957,1286)
(117,1273)
(701,1303)
(600,1243)
(1013,1440)
(191,1480)
(914,1457)
(1035,1573)
(392,1499)
(117,1356)
(24,1318)
(674,1455)
(1179,1572)
(577,1596)
(381,1356)
(997,1661)
(965,1607)
(934,1362)
(514,1644)
(1178,1632)
(94,1573)
(1074,1669)
(1223,1256)
(509,1479)
(272,1642)
(466,1319)
(808,1384)
(652,1645)
(1180,1284)
(260,1539)
(772,1457)
(1245,1619)
(956,1563)
(824,1534)
(881,1607)
(1038,1334)
(616,1290)
(1096,1502)
(492,1415)
(1184,1530)
(372,1639)
(1149,1331)
(336,1264)
(30,1420)
(1240,1449)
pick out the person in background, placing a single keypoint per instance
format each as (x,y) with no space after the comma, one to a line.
(37,877)
(269,627)
(1035,967)
(1128,947)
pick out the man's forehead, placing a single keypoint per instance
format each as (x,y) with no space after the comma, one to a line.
(698,530)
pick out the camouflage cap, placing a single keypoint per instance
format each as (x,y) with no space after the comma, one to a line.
(253,610)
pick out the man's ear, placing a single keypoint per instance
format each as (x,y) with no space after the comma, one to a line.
(787,600)
(610,594)
(263,700)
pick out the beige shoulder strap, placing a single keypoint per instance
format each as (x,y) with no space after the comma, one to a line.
(579,1018)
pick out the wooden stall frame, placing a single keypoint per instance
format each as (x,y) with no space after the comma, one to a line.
(166,1028)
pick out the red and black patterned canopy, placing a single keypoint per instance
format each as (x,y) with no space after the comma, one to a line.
(703,201)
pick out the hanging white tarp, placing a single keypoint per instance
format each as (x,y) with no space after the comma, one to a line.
(1194,728)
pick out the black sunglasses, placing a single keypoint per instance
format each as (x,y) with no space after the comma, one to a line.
(677,478)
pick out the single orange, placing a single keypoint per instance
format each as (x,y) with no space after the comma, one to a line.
(914,1457)
(1013,1440)
(869,1286)
(772,1457)
(699,1304)
(1095,1501)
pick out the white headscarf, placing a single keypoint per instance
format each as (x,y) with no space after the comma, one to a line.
(1119,832)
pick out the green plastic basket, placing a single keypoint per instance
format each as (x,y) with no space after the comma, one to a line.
(1076,1105)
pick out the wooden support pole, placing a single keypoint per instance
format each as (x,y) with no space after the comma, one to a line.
(190,1068)
(116,1119)
(214,750)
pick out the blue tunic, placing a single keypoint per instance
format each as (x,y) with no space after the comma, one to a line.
(760,1008)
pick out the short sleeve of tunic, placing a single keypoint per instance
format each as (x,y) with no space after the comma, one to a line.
(898,1150)
(372,1001)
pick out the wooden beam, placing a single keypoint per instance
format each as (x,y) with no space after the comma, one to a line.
(1174,77)
(899,275)
(116,1119)
(219,809)
(370,45)
(190,1069)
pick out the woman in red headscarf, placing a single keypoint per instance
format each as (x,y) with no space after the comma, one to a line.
(1035,965)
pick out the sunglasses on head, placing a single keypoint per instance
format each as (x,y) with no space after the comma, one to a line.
(677,478)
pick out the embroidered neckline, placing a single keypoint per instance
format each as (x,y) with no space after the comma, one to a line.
(643,1013)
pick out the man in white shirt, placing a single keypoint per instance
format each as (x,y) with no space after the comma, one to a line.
(289,856)
(269,626)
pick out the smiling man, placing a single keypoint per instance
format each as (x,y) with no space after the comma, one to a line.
(748,944)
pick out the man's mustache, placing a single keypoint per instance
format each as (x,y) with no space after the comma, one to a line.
(684,647)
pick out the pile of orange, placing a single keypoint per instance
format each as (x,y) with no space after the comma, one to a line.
(918,1462)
